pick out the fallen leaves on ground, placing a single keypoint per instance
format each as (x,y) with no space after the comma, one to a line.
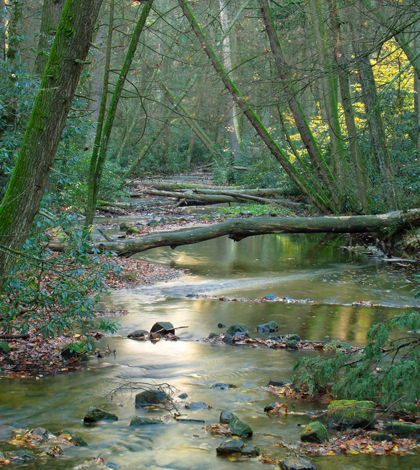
(219,429)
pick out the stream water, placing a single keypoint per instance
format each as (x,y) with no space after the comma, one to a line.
(294,266)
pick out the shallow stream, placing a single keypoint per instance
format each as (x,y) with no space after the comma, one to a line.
(299,267)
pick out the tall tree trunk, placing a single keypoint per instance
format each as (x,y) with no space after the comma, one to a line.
(312,190)
(15,32)
(40,142)
(99,153)
(196,112)
(232,121)
(51,14)
(417,83)
(302,125)
(340,53)
(329,90)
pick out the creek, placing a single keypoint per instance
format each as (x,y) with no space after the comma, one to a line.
(296,266)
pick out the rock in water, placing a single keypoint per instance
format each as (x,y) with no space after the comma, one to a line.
(296,463)
(225,417)
(239,428)
(237,327)
(150,398)
(236,446)
(164,327)
(267,328)
(403,429)
(142,421)
(345,414)
(315,432)
(94,415)
(220,386)
(198,405)
(138,334)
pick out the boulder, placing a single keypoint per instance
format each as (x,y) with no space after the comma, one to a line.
(296,463)
(225,417)
(279,383)
(138,334)
(345,414)
(237,327)
(315,432)
(150,398)
(239,428)
(94,415)
(142,421)
(236,446)
(164,327)
(267,328)
(403,429)
(221,386)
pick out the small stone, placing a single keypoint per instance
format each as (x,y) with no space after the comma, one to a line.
(270,407)
(267,328)
(315,432)
(78,441)
(183,396)
(190,296)
(142,421)
(270,297)
(225,417)
(221,325)
(213,335)
(198,405)
(19,455)
(123,226)
(246,213)
(292,337)
(222,386)
(164,327)
(279,383)
(111,465)
(95,415)
(291,344)
(296,463)
(236,446)
(138,334)
(163,221)
(237,327)
(153,223)
(227,339)
(288,300)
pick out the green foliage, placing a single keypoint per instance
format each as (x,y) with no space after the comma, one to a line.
(53,293)
(379,372)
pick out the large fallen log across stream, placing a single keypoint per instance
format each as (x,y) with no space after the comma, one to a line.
(238,229)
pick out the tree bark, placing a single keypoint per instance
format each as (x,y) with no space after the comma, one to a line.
(51,14)
(40,142)
(238,229)
(15,31)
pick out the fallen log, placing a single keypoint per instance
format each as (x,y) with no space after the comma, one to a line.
(205,198)
(238,229)
(263,200)
(263,192)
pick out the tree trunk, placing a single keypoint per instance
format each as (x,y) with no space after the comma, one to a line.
(51,14)
(40,142)
(417,84)
(238,229)
(15,32)
(314,192)
(98,157)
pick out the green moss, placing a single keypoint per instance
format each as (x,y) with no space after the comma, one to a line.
(315,432)
(351,413)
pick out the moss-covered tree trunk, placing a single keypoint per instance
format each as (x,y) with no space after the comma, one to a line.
(15,31)
(98,159)
(40,142)
(51,14)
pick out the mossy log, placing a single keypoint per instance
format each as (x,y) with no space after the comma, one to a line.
(238,229)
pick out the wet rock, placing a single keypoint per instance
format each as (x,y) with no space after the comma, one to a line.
(225,417)
(237,327)
(142,421)
(266,328)
(296,463)
(291,344)
(241,335)
(237,427)
(270,407)
(198,405)
(315,432)
(19,455)
(222,386)
(380,437)
(270,297)
(228,339)
(292,337)
(42,434)
(236,446)
(213,335)
(150,398)
(221,325)
(183,396)
(345,414)
(124,226)
(94,415)
(163,221)
(190,296)
(246,213)
(153,223)
(132,230)
(112,465)
(288,300)
(138,334)
(403,429)
(279,383)
(78,441)
(4,347)
(164,327)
